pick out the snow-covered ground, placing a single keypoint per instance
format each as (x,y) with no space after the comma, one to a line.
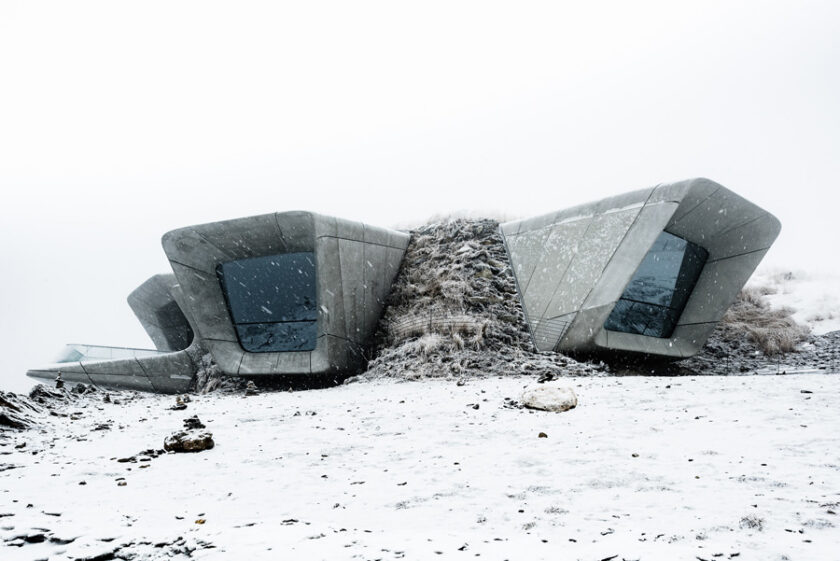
(644,468)
(815,297)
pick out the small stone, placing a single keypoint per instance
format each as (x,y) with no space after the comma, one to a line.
(179,404)
(251,388)
(542,435)
(193,423)
(549,396)
(122,483)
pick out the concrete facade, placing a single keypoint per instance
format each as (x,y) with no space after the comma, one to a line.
(302,293)
(355,263)
(572,266)
(160,315)
(188,314)
(160,373)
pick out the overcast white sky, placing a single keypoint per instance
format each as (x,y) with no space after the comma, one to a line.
(120,121)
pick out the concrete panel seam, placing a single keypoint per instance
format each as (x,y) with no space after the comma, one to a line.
(187,266)
(359,241)
(82,366)
(698,205)
(741,225)
(719,259)
(606,265)
(146,372)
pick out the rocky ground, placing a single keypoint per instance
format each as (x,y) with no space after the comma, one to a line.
(733,355)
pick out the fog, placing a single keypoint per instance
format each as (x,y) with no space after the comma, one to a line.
(121,121)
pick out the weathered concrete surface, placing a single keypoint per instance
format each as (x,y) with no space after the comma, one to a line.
(160,315)
(572,266)
(355,265)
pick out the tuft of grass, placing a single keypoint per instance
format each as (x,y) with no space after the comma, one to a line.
(773,330)
(752,522)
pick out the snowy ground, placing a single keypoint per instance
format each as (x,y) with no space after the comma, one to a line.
(644,468)
(814,296)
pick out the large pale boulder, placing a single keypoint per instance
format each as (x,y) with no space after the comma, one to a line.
(550,396)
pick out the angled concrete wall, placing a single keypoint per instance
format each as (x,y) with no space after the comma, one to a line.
(161,373)
(573,265)
(160,315)
(355,266)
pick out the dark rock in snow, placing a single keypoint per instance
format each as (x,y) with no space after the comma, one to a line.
(193,423)
(17,412)
(251,388)
(184,441)
(179,404)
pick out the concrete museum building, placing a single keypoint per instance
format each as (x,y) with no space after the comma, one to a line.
(648,272)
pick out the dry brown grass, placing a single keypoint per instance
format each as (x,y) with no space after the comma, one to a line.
(774,331)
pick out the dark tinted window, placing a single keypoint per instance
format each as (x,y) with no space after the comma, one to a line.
(656,295)
(272,301)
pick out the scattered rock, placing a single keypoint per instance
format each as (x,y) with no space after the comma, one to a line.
(44,395)
(193,422)
(17,412)
(251,388)
(549,397)
(184,441)
(179,404)
(83,389)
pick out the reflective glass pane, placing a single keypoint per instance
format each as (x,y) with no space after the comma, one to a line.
(272,301)
(656,295)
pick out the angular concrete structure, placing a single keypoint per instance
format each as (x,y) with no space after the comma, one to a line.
(342,273)
(132,369)
(280,293)
(649,272)
(154,305)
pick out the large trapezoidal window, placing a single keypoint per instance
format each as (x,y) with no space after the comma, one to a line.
(272,301)
(656,296)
